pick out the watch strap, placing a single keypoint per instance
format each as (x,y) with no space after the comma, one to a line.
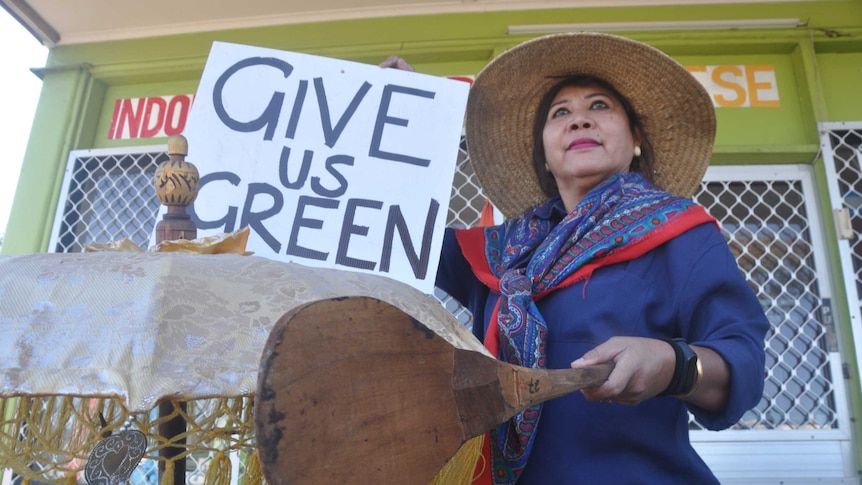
(687,370)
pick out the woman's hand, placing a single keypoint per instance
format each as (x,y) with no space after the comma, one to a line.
(643,368)
(397,63)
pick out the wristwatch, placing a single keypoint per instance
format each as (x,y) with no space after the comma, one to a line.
(686,373)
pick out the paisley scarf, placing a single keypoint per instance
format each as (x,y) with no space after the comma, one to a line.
(528,257)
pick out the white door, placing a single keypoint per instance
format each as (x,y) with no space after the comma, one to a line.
(799,433)
(841,144)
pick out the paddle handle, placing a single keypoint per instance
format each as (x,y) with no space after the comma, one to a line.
(489,391)
(533,386)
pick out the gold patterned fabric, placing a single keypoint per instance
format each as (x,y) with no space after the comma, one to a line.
(135,328)
(142,326)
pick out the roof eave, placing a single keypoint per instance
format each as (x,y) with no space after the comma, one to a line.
(32,21)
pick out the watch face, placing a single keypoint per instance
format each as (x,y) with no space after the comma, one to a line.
(689,370)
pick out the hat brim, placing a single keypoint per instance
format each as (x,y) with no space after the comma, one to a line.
(675,110)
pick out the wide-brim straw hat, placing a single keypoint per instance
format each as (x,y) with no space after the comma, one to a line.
(675,110)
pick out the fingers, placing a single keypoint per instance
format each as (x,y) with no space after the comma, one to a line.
(605,352)
(390,61)
(597,397)
(396,62)
(642,369)
(614,389)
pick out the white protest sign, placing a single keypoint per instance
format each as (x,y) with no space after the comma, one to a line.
(330,163)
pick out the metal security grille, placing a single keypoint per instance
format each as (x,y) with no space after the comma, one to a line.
(465,209)
(766,224)
(842,153)
(467,201)
(107,196)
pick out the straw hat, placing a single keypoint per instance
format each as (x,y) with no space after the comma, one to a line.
(675,110)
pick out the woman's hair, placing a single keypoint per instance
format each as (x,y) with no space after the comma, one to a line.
(643,164)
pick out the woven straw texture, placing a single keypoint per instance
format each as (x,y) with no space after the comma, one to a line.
(675,110)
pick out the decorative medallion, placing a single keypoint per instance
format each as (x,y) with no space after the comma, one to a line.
(115,457)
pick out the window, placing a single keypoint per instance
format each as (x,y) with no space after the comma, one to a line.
(107,195)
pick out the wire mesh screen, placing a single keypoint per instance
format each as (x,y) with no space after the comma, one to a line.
(846,148)
(467,201)
(465,209)
(109,197)
(766,226)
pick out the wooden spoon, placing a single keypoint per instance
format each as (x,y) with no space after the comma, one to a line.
(354,390)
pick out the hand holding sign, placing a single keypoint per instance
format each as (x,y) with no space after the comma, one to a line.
(330,163)
(396,62)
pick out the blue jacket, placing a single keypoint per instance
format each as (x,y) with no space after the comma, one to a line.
(690,287)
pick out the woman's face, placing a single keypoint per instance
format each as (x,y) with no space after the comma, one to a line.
(587,138)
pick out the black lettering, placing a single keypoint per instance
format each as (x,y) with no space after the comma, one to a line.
(331,134)
(396,219)
(293,248)
(342,182)
(297,108)
(348,228)
(303,170)
(383,119)
(229,220)
(255,219)
(269,117)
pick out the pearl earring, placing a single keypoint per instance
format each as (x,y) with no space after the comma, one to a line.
(637,151)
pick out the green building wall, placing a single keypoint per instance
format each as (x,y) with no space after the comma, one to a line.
(819,66)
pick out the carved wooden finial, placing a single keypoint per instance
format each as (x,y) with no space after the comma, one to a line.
(177,183)
(178,145)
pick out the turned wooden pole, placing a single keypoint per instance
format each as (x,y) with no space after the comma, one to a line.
(177,183)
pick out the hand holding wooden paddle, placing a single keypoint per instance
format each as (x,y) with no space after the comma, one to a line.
(354,390)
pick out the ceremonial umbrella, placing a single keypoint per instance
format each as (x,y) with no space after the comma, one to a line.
(91,342)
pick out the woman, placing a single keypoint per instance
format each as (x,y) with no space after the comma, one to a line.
(591,145)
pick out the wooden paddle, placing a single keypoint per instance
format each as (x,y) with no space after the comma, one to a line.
(354,390)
